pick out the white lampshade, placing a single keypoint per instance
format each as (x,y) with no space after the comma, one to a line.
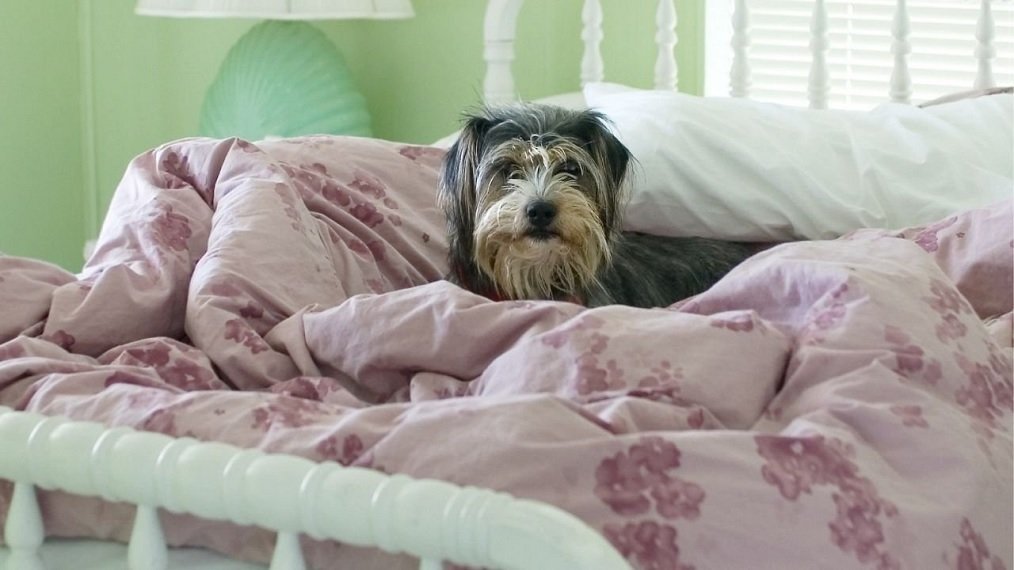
(278,9)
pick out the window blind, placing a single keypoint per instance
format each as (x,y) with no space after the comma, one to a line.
(941,61)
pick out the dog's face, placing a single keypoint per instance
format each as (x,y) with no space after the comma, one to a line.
(533,196)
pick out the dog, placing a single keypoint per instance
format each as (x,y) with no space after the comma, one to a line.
(534,196)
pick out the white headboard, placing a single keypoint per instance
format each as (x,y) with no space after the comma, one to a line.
(500,29)
(502,16)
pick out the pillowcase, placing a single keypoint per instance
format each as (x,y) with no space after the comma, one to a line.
(746,170)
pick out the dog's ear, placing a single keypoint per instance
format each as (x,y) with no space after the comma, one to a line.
(457,177)
(457,194)
(607,150)
(604,147)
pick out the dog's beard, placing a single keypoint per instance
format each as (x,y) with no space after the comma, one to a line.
(527,266)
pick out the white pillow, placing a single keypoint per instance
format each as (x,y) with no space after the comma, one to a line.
(573,100)
(740,169)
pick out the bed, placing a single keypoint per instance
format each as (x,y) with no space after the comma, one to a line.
(260,363)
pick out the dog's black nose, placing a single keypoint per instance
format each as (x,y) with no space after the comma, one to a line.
(541,213)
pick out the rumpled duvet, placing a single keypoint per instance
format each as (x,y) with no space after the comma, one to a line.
(836,404)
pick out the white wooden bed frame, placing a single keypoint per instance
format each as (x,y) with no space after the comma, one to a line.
(501,25)
(432,520)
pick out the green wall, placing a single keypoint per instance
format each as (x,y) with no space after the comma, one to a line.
(89,85)
(40,131)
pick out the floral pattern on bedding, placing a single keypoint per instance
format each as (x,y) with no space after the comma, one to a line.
(807,411)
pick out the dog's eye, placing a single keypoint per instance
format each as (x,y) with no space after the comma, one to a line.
(509,169)
(570,167)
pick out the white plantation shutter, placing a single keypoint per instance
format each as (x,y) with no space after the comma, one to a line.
(942,36)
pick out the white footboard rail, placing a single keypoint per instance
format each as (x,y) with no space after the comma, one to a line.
(432,520)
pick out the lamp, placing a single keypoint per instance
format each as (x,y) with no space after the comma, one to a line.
(278,9)
(283,77)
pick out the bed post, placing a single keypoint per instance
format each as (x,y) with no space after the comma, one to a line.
(984,50)
(820,77)
(499,32)
(666,71)
(23,530)
(592,68)
(901,82)
(739,75)
(147,549)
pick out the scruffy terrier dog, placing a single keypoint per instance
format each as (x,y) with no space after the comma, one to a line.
(534,196)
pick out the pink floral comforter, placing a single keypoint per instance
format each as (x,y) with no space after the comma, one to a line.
(840,404)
